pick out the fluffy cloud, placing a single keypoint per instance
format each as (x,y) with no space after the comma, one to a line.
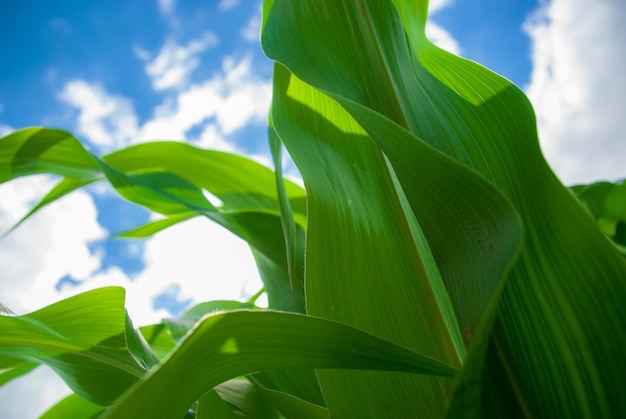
(108,121)
(51,245)
(231,99)
(192,262)
(44,388)
(435,5)
(196,260)
(174,64)
(577,87)
(442,38)
(437,34)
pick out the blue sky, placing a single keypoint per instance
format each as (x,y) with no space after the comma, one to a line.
(117,73)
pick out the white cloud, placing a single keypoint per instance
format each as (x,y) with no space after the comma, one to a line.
(232,99)
(437,34)
(229,100)
(442,38)
(578,89)
(435,5)
(5,129)
(227,4)
(106,120)
(167,6)
(205,260)
(171,68)
(50,245)
(42,385)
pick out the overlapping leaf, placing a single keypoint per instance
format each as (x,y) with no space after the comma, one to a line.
(561,307)
(169,178)
(607,203)
(81,338)
(227,345)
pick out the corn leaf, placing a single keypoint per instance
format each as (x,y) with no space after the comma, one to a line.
(169,178)
(246,400)
(227,345)
(560,309)
(81,338)
(606,201)
(74,407)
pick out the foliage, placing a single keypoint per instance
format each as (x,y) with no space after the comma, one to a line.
(434,267)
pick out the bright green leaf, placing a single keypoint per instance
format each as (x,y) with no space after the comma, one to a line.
(228,345)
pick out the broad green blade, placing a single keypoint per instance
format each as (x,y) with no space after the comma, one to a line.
(157,336)
(169,178)
(212,406)
(73,407)
(228,345)
(294,407)
(138,347)
(240,183)
(607,203)
(180,326)
(363,265)
(153,227)
(247,400)
(561,307)
(32,151)
(300,384)
(473,242)
(81,339)
(37,150)
(161,192)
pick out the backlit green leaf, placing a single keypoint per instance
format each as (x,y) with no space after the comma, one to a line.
(81,338)
(227,345)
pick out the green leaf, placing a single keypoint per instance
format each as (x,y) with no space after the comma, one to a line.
(227,345)
(157,336)
(179,327)
(168,178)
(153,227)
(161,192)
(294,407)
(294,241)
(363,266)
(240,183)
(561,304)
(247,399)
(138,347)
(212,406)
(73,407)
(32,151)
(607,203)
(81,339)
(301,384)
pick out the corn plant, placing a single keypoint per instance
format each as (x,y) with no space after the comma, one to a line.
(434,267)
